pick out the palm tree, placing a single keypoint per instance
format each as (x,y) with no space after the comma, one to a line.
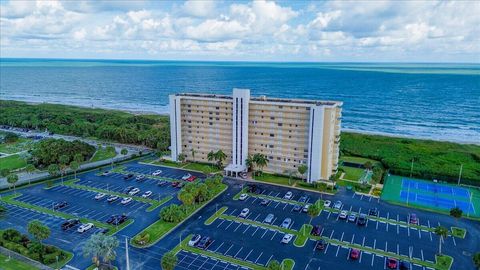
(74,166)
(169,261)
(53,169)
(12,179)
(313,211)
(39,231)
(193,154)
(124,151)
(260,160)
(220,157)
(442,232)
(78,158)
(29,169)
(290,174)
(476,259)
(211,156)
(302,169)
(63,159)
(181,157)
(249,163)
(457,213)
(101,247)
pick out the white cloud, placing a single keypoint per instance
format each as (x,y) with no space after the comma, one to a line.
(199,8)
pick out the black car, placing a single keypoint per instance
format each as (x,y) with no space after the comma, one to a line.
(321,244)
(60,205)
(116,219)
(128,176)
(128,189)
(265,202)
(362,220)
(405,265)
(204,242)
(162,183)
(316,230)
(254,189)
(70,223)
(373,212)
(297,208)
(303,199)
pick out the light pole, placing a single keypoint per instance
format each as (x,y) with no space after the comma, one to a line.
(411,169)
(460,174)
(126,253)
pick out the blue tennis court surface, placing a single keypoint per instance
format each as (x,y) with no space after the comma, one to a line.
(435,195)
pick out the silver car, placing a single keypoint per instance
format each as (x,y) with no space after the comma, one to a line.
(286,223)
(269,218)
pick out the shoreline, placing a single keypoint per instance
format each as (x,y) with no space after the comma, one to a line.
(144,112)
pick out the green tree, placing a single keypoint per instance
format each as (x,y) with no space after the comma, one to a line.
(53,170)
(101,247)
(220,156)
(260,160)
(78,158)
(274,265)
(39,231)
(290,174)
(30,168)
(181,157)
(124,151)
(172,213)
(3,210)
(187,198)
(313,211)
(12,179)
(4,172)
(476,259)
(211,156)
(249,163)
(169,261)
(302,169)
(368,165)
(193,154)
(74,166)
(442,233)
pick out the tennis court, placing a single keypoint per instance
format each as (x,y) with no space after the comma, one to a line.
(431,195)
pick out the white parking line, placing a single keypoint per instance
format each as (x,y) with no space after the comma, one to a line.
(373,257)
(273,235)
(248,227)
(223,220)
(231,222)
(248,255)
(264,234)
(219,246)
(338,248)
(255,231)
(258,257)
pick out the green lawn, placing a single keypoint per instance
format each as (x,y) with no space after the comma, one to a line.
(459,232)
(20,145)
(359,160)
(12,162)
(288,264)
(12,264)
(351,173)
(273,178)
(103,153)
(205,168)
(302,236)
(168,163)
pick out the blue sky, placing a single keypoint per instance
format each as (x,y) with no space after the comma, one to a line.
(392,31)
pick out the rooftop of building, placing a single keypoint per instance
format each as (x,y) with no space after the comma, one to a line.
(266,99)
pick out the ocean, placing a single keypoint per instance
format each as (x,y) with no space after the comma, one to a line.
(431,101)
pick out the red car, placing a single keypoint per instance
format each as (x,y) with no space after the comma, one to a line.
(354,254)
(191,178)
(175,184)
(392,263)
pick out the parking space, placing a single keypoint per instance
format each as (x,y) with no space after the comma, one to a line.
(188,260)
(167,172)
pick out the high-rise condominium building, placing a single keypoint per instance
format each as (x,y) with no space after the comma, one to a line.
(289,132)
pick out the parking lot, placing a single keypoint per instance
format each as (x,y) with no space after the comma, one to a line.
(188,260)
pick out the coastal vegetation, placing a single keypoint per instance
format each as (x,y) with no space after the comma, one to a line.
(59,151)
(431,159)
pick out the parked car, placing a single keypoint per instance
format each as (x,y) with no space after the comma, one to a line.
(287,238)
(405,265)
(204,242)
(112,198)
(343,215)
(305,208)
(85,227)
(175,183)
(105,173)
(269,218)
(354,254)
(195,239)
(128,176)
(321,244)
(186,176)
(412,219)
(69,224)
(297,208)
(392,263)
(373,212)
(100,196)
(254,189)
(327,203)
(191,178)
(116,219)
(244,213)
(157,172)
(140,177)
(286,223)
(316,230)
(303,199)
(134,191)
(60,205)
(180,185)
(352,217)
(243,197)
(102,230)
(265,201)
(288,195)
(126,200)
(337,205)
(128,189)
(162,183)
(147,194)
(362,220)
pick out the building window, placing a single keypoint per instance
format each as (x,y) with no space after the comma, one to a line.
(210,123)
(305,156)
(279,158)
(189,110)
(218,108)
(189,141)
(280,124)
(272,135)
(272,118)
(280,107)
(271,145)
